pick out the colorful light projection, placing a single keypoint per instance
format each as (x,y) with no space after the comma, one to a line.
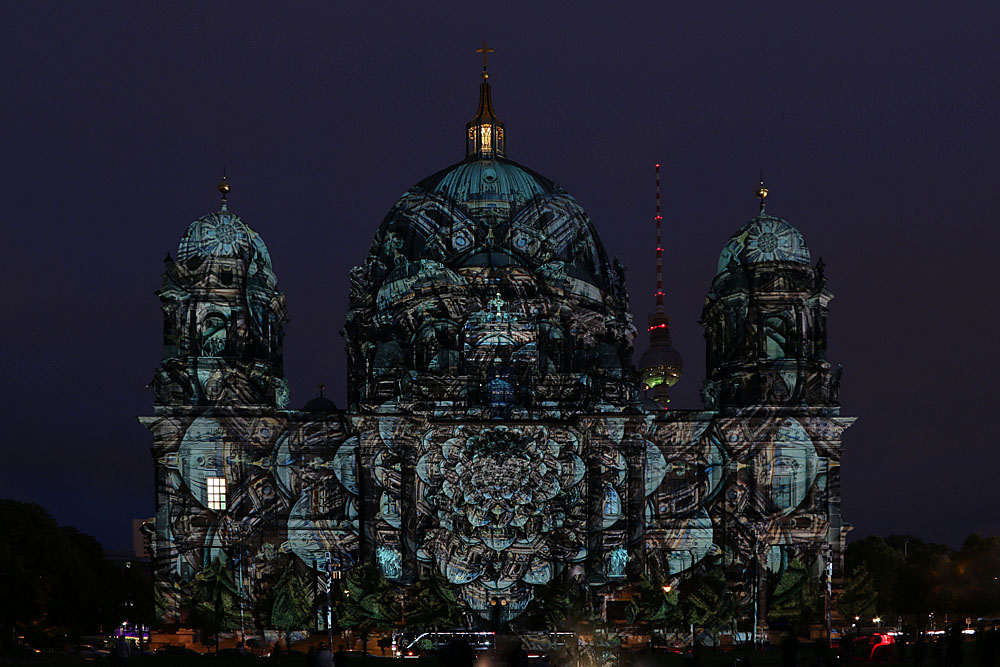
(496,440)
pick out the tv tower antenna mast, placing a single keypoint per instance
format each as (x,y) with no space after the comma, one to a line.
(661,364)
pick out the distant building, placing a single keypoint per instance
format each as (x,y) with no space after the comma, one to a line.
(497,435)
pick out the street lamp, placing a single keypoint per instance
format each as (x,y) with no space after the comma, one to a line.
(666,591)
(241,530)
(497,604)
(329,606)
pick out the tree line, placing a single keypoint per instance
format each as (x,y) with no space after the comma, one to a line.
(925,584)
(57,583)
(59,586)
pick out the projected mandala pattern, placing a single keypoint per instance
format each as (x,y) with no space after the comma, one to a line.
(497,510)
(495,435)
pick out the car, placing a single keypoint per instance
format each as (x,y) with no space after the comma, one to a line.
(234,653)
(872,647)
(88,652)
(175,650)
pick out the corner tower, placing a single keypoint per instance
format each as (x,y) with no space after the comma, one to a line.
(223,318)
(765,321)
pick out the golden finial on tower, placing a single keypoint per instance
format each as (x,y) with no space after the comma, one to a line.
(224,189)
(484,50)
(762,192)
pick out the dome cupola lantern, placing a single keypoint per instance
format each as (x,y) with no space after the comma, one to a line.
(484,136)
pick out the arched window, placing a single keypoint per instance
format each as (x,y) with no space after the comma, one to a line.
(776,342)
(213,336)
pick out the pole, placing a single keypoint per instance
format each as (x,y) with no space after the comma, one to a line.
(756,585)
(829,596)
(666,591)
(329,607)
(239,565)
(242,624)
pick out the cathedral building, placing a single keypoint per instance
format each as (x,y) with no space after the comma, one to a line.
(498,439)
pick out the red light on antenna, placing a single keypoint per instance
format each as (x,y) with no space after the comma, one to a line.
(657,165)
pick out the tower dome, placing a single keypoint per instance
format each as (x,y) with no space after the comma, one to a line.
(765,321)
(223,237)
(765,238)
(223,317)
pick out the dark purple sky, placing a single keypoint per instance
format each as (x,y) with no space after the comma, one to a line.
(876,124)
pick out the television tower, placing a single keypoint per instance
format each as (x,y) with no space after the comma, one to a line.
(661,364)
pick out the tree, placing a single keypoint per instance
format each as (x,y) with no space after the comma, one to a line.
(797,598)
(368,601)
(79,601)
(51,578)
(433,604)
(704,600)
(213,601)
(921,584)
(562,604)
(292,606)
(859,599)
(651,603)
(883,564)
(974,575)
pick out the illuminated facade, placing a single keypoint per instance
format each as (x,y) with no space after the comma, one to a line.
(496,436)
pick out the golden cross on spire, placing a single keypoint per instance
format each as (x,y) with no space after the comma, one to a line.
(761,191)
(485,50)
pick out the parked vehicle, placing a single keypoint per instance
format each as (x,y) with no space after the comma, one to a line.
(175,650)
(873,647)
(241,653)
(88,652)
(415,647)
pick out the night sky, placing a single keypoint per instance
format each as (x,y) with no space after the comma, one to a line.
(876,125)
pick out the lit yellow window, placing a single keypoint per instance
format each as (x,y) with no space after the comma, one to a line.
(486,137)
(216,493)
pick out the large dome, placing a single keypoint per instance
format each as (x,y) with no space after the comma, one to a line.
(487,289)
(483,269)
(765,238)
(491,212)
